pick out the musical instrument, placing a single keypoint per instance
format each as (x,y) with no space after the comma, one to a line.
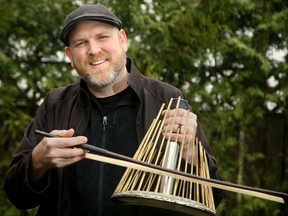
(149,189)
(164,173)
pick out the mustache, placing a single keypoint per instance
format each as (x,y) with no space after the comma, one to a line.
(98,56)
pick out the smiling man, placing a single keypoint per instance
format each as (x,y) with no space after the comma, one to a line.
(98,52)
(111,107)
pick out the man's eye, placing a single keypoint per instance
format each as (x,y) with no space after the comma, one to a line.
(102,37)
(80,44)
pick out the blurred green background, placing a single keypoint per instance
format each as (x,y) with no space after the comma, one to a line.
(229,57)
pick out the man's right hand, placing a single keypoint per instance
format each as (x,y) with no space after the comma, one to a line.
(56,152)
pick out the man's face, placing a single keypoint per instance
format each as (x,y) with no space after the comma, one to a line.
(98,52)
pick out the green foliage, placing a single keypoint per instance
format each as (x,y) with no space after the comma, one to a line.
(219,52)
(31,63)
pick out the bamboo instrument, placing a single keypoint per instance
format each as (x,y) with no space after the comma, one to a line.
(153,189)
(163,174)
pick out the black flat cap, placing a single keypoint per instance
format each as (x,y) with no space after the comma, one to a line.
(95,12)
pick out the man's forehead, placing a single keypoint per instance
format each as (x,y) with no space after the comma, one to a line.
(93,26)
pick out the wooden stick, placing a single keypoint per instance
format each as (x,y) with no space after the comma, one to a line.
(121,160)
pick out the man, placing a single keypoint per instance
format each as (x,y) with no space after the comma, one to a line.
(112,108)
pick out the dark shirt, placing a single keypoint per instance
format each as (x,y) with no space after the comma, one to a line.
(112,126)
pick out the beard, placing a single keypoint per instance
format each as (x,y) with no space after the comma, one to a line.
(102,79)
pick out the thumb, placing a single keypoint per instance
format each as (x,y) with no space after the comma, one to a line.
(64,133)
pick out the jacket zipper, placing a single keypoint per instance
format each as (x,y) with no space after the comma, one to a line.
(101,167)
(104,123)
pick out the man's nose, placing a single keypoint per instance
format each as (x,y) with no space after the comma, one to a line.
(93,48)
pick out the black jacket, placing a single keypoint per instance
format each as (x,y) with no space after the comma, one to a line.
(68,107)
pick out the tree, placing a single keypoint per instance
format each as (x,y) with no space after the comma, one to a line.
(223,55)
(31,63)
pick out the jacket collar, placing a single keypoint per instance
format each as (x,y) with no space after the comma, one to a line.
(136,78)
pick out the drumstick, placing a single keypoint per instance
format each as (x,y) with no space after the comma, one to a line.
(83,146)
(106,156)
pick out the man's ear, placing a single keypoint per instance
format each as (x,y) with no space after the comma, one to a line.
(68,54)
(123,39)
